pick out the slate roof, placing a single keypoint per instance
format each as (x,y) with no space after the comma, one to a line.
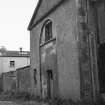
(44,7)
(14,53)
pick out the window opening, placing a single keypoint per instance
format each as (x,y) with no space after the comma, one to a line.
(12,63)
(48,31)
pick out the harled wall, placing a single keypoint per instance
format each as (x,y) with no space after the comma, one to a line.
(65,30)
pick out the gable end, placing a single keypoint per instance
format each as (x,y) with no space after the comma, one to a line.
(54,7)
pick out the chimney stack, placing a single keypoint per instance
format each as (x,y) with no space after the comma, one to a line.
(20,49)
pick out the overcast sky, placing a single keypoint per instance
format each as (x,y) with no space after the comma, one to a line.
(15,16)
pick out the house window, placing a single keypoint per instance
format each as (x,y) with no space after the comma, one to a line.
(12,63)
(48,31)
(35,79)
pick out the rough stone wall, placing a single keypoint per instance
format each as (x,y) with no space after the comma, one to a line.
(84,57)
(23,79)
(34,56)
(101,21)
(1,83)
(93,46)
(87,26)
(9,81)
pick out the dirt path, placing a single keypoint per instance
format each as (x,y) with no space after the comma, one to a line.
(7,103)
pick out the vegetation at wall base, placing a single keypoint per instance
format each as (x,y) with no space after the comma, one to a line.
(23,96)
(67,102)
(27,97)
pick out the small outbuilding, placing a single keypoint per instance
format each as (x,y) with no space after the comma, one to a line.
(9,81)
(23,82)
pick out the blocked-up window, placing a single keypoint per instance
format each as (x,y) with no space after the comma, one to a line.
(35,79)
(12,63)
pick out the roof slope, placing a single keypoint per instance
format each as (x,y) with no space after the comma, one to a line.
(43,7)
(14,54)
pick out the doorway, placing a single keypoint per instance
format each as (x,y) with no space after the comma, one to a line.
(101,67)
(49,84)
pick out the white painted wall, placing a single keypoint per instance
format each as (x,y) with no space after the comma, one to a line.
(19,62)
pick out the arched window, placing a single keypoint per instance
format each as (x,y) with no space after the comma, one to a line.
(46,33)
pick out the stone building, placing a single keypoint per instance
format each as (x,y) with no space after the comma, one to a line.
(67,49)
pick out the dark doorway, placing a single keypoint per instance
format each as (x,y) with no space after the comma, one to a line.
(49,83)
(101,65)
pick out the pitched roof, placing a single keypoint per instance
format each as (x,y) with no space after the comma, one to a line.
(25,67)
(14,53)
(44,7)
(9,74)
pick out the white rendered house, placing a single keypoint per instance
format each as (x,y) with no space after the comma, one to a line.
(11,60)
